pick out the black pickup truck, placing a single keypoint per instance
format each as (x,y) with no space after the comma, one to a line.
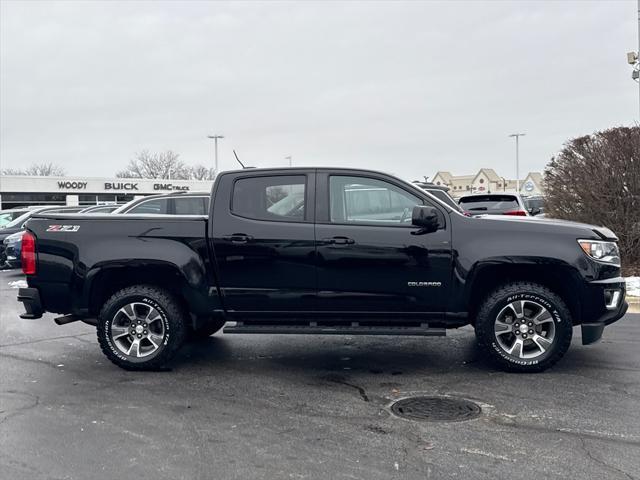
(323,251)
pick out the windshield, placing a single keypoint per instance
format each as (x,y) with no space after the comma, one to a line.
(20,220)
(107,209)
(8,215)
(445,198)
(534,203)
(5,218)
(489,203)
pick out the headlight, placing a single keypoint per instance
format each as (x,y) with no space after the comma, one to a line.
(606,252)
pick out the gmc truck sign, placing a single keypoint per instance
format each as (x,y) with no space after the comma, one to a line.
(170,186)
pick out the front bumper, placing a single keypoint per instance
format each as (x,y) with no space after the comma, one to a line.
(604,304)
(12,256)
(30,298)
(12,262)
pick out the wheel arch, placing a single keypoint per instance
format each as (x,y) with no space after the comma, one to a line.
(103,282)
(487,276)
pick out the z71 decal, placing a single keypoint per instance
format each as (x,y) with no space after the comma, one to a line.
(63,228)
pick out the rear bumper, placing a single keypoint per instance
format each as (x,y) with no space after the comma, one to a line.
(30,298)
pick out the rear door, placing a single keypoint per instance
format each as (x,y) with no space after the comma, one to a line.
(264,246)
(369,256)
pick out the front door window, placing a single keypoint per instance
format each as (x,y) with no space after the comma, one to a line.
(360,200)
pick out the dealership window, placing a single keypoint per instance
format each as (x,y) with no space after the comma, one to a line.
(98,198)
(279,198)
(34,198)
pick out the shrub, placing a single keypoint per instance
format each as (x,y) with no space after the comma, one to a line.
(596,179)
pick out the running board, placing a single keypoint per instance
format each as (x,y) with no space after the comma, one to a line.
(423,331)
(66,319)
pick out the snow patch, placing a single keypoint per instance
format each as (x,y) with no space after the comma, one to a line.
(633,286)
(18,284)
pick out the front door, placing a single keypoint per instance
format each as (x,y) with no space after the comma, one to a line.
(370,257)
(264,243)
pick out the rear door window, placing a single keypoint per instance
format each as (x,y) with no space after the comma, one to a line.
(274,198)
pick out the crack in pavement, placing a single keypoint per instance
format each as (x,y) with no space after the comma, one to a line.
(342,381)
(46,340)
(12,412)
(604,436)
(599,461)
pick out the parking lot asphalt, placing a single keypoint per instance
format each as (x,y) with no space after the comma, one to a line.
(315,407)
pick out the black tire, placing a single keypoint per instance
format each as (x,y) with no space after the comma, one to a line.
(497,308)
(205,330)
(170,320)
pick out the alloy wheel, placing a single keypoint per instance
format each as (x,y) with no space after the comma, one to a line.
(525,329)
(137,330)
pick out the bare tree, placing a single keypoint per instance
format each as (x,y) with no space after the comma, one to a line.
(12,171)
(38,170)
(596,179)
(165,165)
(200,172)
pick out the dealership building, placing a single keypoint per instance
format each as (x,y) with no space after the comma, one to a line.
(17,191)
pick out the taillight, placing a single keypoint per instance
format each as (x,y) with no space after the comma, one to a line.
(28,254)
(517,213)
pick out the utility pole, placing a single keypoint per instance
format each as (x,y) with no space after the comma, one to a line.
(291,160)
(517,137)
(215,150)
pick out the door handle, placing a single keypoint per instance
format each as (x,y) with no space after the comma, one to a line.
(238,238)
(339,241)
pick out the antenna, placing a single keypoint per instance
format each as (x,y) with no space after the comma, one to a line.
(236,155)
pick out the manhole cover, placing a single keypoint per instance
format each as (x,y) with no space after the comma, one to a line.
(436,409)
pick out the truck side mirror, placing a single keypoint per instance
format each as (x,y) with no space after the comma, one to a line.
(533,211)
(426,218)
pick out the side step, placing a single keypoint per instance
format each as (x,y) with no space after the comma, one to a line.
(353,329)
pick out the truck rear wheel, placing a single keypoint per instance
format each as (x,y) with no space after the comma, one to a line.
(141,327)
(524,327)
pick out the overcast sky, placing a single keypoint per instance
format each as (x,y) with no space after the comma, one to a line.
(409,88)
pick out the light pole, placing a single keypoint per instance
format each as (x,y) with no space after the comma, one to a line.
(215,150)
(517,137)
(633,59)
(289,158)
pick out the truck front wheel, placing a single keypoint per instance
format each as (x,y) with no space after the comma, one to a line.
(524,327)
(141,327)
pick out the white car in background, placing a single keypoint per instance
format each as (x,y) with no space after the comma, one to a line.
(494,204)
